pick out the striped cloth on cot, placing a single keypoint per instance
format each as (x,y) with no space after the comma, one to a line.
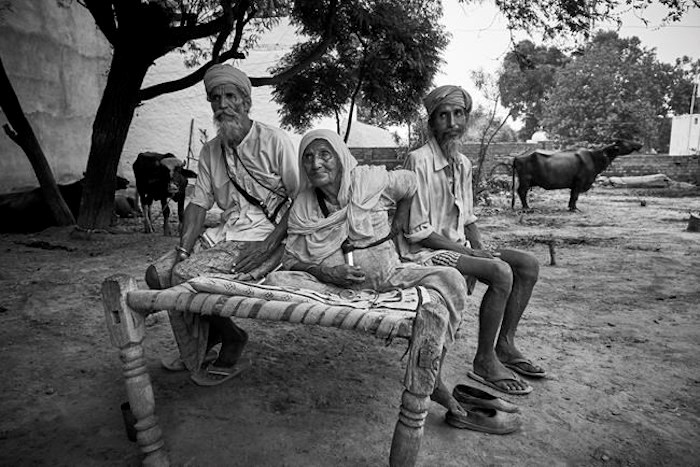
(384,314)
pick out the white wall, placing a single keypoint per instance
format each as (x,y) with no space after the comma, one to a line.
(685,135)
(57,61)
(163,124)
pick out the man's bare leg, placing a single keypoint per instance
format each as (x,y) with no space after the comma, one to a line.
(525,274)
(233,341)
(497,275)
(441,394)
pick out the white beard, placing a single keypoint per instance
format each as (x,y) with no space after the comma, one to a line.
(231,131)
(450,148)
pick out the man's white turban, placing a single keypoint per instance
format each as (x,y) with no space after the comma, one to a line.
(447,95)
(222,73)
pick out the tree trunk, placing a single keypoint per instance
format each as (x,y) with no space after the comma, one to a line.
(20,131)
(109,132)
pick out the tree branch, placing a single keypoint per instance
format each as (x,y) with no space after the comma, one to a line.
(186,81)
(196,76)
(317,53)
(184,34)
(103,13)
(493,135)
(226,30)
(319,50)
(241,22)
(12,134)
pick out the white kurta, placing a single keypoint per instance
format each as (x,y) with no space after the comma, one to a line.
(269,155)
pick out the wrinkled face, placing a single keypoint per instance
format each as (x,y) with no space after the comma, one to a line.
(230,105)
(228,102)
(322,164)
(448,122)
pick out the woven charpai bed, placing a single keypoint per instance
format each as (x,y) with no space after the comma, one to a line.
(387,315)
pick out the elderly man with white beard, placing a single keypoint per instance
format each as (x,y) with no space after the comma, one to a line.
(442,231)
(250,171)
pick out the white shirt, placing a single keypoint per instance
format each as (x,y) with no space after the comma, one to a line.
(269,156)
(443,202)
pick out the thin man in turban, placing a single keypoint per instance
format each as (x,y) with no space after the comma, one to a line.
(249,170)
(442,231)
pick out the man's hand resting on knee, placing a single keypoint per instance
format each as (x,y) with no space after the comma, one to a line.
(481,253)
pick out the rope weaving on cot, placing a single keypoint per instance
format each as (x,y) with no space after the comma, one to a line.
(386,315)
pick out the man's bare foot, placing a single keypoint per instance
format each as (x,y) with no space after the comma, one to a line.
(443,396)
(499,377)
(231,350)
(516,361)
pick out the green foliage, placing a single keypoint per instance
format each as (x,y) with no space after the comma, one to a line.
(528,74)
(383,56)
(577,18)
(613,88)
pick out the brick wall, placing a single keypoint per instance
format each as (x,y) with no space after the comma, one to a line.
(393,157)
(678,168)
(390,157)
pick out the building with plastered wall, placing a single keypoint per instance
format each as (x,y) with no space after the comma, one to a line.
(685,135)
(57,62)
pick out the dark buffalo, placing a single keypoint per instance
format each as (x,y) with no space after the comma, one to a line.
(160,177)
(574,170)
(27,211)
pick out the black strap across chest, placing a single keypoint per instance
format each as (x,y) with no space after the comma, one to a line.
(347,245)
(271,216)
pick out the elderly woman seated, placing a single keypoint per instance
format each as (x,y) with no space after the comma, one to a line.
(339,237)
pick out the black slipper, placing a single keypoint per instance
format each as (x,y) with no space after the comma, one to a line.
(469,396)
(484,420)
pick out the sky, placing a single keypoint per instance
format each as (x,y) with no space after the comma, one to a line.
(480,39)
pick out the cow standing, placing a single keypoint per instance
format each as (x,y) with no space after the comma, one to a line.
(574,170)
(160,177)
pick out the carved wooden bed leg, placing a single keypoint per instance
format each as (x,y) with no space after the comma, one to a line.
(127,329)
(409,429)
(421,373)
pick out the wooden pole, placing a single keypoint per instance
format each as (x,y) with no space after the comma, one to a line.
(427,342)
(190,153)
(127,329)
(552,254)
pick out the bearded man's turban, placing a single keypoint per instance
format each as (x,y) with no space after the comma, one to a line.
(447,95)
(222,73)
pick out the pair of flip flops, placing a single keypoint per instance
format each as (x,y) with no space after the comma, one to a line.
(525,367)
(483,412)
(493,383)
(522,366)
(211,375)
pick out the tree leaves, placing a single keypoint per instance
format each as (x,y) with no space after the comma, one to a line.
(385,51)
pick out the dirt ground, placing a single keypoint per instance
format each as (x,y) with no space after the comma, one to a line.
(616,322)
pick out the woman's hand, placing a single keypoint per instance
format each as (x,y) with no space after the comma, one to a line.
(342,275)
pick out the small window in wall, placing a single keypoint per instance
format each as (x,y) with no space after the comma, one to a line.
(696,121)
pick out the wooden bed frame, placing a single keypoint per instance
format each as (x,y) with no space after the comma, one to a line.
(126,308)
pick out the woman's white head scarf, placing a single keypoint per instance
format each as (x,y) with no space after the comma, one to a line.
(313,237)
